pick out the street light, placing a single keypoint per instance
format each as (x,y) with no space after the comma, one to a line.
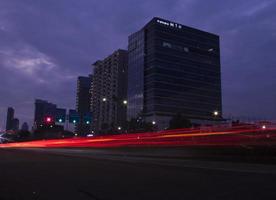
(87,122)
(119,128)
(153,122)
(125,102)
(216,113)
(74,121)
(104,99)
(60,120)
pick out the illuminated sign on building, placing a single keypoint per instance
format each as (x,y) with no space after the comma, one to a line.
(171,24)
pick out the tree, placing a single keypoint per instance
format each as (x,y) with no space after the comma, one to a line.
(139,125)
(178,121)
(23,135)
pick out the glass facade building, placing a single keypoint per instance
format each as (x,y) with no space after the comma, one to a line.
(136,51)
(173,69)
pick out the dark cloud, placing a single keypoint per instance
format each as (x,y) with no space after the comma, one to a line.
(45,45)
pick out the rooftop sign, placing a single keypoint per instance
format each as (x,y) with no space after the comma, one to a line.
(171,24)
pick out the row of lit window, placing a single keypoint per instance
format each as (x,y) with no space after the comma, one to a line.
(175,47)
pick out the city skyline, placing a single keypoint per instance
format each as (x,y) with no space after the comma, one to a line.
(45,61)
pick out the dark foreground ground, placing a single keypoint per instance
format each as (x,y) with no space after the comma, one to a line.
(135,174)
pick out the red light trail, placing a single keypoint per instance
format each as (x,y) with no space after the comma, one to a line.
(237,136)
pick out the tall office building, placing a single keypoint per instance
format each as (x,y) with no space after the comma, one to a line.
(83,104)
(43,109)
(173,69)
(10,117)
(15,124)
(109,92)
(25,126)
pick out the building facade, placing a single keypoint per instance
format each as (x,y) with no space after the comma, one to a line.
(25,126)
(173,69)
(83,127)
(15,124)
(10,117)
(109,92)
(43,109)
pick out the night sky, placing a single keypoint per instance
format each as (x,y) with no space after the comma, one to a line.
(46,44)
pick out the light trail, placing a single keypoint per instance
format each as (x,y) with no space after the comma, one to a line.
(237,136)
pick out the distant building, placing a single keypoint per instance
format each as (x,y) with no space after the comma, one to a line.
(25,126)
(173,69)
(83,104)
(10,117)
(43,109)
(15,124)
(109,92)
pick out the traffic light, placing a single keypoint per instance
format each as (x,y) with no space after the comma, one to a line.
(49,120)
(60,115)
(74,117)
(87,118)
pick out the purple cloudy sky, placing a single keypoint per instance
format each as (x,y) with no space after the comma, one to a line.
(46,44)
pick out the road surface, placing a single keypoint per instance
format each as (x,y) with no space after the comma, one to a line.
(107,174)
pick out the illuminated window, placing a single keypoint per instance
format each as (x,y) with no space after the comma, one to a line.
(167,44)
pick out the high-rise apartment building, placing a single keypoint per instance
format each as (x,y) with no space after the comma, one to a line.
(173,69)
(109,92)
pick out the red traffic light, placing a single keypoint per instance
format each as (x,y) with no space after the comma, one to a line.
(49,120)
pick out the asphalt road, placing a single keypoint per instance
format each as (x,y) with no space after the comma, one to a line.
(130,174)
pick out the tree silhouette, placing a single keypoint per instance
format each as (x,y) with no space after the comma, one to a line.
(178,121)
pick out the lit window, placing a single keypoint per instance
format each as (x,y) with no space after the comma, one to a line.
(167,44)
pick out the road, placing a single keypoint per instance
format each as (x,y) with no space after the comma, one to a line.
(107,174)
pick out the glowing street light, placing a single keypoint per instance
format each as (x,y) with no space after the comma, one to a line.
(119,128)
(87,122)
(104,99)
(125,102)
(153,122)
(74,121)
(263,126)
(216,113)
(60,120)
